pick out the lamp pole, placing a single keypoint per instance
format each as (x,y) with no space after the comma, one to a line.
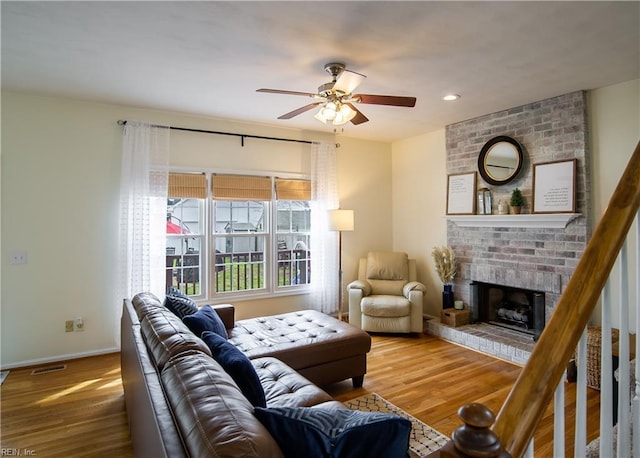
(340,221)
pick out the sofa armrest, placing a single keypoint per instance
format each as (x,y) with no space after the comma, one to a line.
(364,286)
(413,286)
(226,312)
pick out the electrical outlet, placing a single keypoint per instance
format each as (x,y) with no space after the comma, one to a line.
(68,326)
(18,257)
(78,324)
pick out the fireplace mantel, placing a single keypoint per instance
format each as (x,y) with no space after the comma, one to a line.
(545,220)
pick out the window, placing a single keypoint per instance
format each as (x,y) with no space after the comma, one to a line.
(185,232)
(240,234)
(293,232)
(241,251)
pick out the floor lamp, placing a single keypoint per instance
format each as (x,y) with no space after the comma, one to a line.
(341,221)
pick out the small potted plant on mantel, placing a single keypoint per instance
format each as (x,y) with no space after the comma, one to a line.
(516,201)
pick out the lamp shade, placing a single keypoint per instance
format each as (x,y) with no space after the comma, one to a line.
(340,220)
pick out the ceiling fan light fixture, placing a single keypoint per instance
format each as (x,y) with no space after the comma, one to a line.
(327,112)
(344,115)
(335,112)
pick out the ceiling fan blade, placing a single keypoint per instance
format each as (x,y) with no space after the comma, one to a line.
(348,81)
(359,118)
(278,91)
(387,100)
(300,110)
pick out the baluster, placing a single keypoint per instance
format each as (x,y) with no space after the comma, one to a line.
(636,397)
(623,357)
(606,380)
(558,419)
(580,439)
(529,452)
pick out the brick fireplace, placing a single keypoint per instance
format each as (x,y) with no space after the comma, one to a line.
(512,308)
(532,257)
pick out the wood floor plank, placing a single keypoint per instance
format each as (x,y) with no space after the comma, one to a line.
(75,412)
(80,411)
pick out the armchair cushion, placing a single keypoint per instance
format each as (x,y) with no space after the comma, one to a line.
(387,287)
(385,306)
(413,286)
(361,285)
(387,266)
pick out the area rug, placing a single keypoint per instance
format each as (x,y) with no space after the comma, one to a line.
(3,375)
(424,439)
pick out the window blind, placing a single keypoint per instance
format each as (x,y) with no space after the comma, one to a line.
(241,187)
(187,185)
(293,189)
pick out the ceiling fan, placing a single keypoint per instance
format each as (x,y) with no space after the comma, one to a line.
(336,98)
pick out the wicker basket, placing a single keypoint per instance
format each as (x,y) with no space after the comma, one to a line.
(594,348)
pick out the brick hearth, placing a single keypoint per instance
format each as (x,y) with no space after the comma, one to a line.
(512,346)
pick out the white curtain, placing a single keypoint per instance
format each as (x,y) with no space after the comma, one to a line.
(143,207)
(324,243)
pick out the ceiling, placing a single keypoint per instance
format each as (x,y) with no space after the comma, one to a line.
(208,58)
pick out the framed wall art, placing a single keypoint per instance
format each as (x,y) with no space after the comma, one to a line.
(461,194)
(554,187)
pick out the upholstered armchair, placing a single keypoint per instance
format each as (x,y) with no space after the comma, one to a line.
(386,296)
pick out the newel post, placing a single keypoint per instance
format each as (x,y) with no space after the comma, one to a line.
(474,439)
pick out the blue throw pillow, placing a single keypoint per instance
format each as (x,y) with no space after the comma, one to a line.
(238,366)
(205,319)
(179,303)
(336,433)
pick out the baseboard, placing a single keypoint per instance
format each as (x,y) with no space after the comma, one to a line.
(57,359)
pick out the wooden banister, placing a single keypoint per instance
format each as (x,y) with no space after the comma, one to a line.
(534,388)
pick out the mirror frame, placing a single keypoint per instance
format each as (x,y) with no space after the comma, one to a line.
(484,152)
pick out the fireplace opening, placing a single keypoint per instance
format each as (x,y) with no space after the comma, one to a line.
(514,308)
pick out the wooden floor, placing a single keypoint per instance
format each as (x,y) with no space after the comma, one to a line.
(80,411)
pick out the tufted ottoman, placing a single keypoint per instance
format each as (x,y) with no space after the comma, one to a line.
(319,347)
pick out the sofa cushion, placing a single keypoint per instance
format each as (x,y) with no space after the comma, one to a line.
(213,416)
(167,336)
(320,433)
(179,303)
(386,265)
(284,387)
(238,366)
(205,319)
(143,303)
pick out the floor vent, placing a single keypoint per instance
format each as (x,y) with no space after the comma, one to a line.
(47,369)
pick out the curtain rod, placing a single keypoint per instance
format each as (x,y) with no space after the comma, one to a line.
(232,134)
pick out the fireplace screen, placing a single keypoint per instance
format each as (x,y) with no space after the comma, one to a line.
(515,308)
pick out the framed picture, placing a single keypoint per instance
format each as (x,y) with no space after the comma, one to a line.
(554,187)
(461,194)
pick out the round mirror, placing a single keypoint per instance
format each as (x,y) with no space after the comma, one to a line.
(500,160)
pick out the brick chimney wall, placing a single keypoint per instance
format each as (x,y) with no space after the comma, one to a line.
(531,258)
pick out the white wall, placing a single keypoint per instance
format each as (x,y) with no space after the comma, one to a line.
(614,123)
(60,190)
(419,199)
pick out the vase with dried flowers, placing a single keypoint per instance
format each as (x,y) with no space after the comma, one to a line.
(445,260)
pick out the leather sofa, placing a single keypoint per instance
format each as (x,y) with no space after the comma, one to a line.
(180,401)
